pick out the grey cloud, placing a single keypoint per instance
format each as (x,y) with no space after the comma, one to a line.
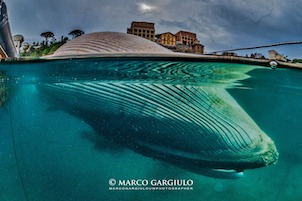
(219,24)
(173,24)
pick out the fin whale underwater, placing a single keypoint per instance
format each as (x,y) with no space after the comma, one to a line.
(198,128)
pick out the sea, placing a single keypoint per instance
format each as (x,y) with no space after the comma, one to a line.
(48,154)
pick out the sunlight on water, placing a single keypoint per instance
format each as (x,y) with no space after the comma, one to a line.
(51,151)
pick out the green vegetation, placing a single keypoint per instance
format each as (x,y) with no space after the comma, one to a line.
(297,61)
(47,46)
(42,49)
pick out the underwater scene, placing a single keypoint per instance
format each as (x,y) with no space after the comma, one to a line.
(149,129)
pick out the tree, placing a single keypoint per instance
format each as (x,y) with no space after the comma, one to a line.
(63,39)
(76,33)
(47,35)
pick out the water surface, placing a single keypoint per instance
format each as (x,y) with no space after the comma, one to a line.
(48,154)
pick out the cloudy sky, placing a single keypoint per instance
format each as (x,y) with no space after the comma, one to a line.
(219,24)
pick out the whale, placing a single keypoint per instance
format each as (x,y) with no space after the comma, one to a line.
(162,105)
(155,109)
(196,128)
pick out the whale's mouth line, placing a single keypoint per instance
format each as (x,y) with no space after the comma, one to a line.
(264,158)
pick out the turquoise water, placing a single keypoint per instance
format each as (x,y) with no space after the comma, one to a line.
(49,153)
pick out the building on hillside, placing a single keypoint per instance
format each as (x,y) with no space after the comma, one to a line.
(142,29)
(186,38)
(182,41)
(274,55)
(187,42)
(166,39)
(198,48)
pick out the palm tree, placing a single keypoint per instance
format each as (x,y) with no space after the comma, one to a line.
(47,35)
(76,33)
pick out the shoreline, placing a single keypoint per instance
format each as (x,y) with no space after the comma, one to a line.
(165,56)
